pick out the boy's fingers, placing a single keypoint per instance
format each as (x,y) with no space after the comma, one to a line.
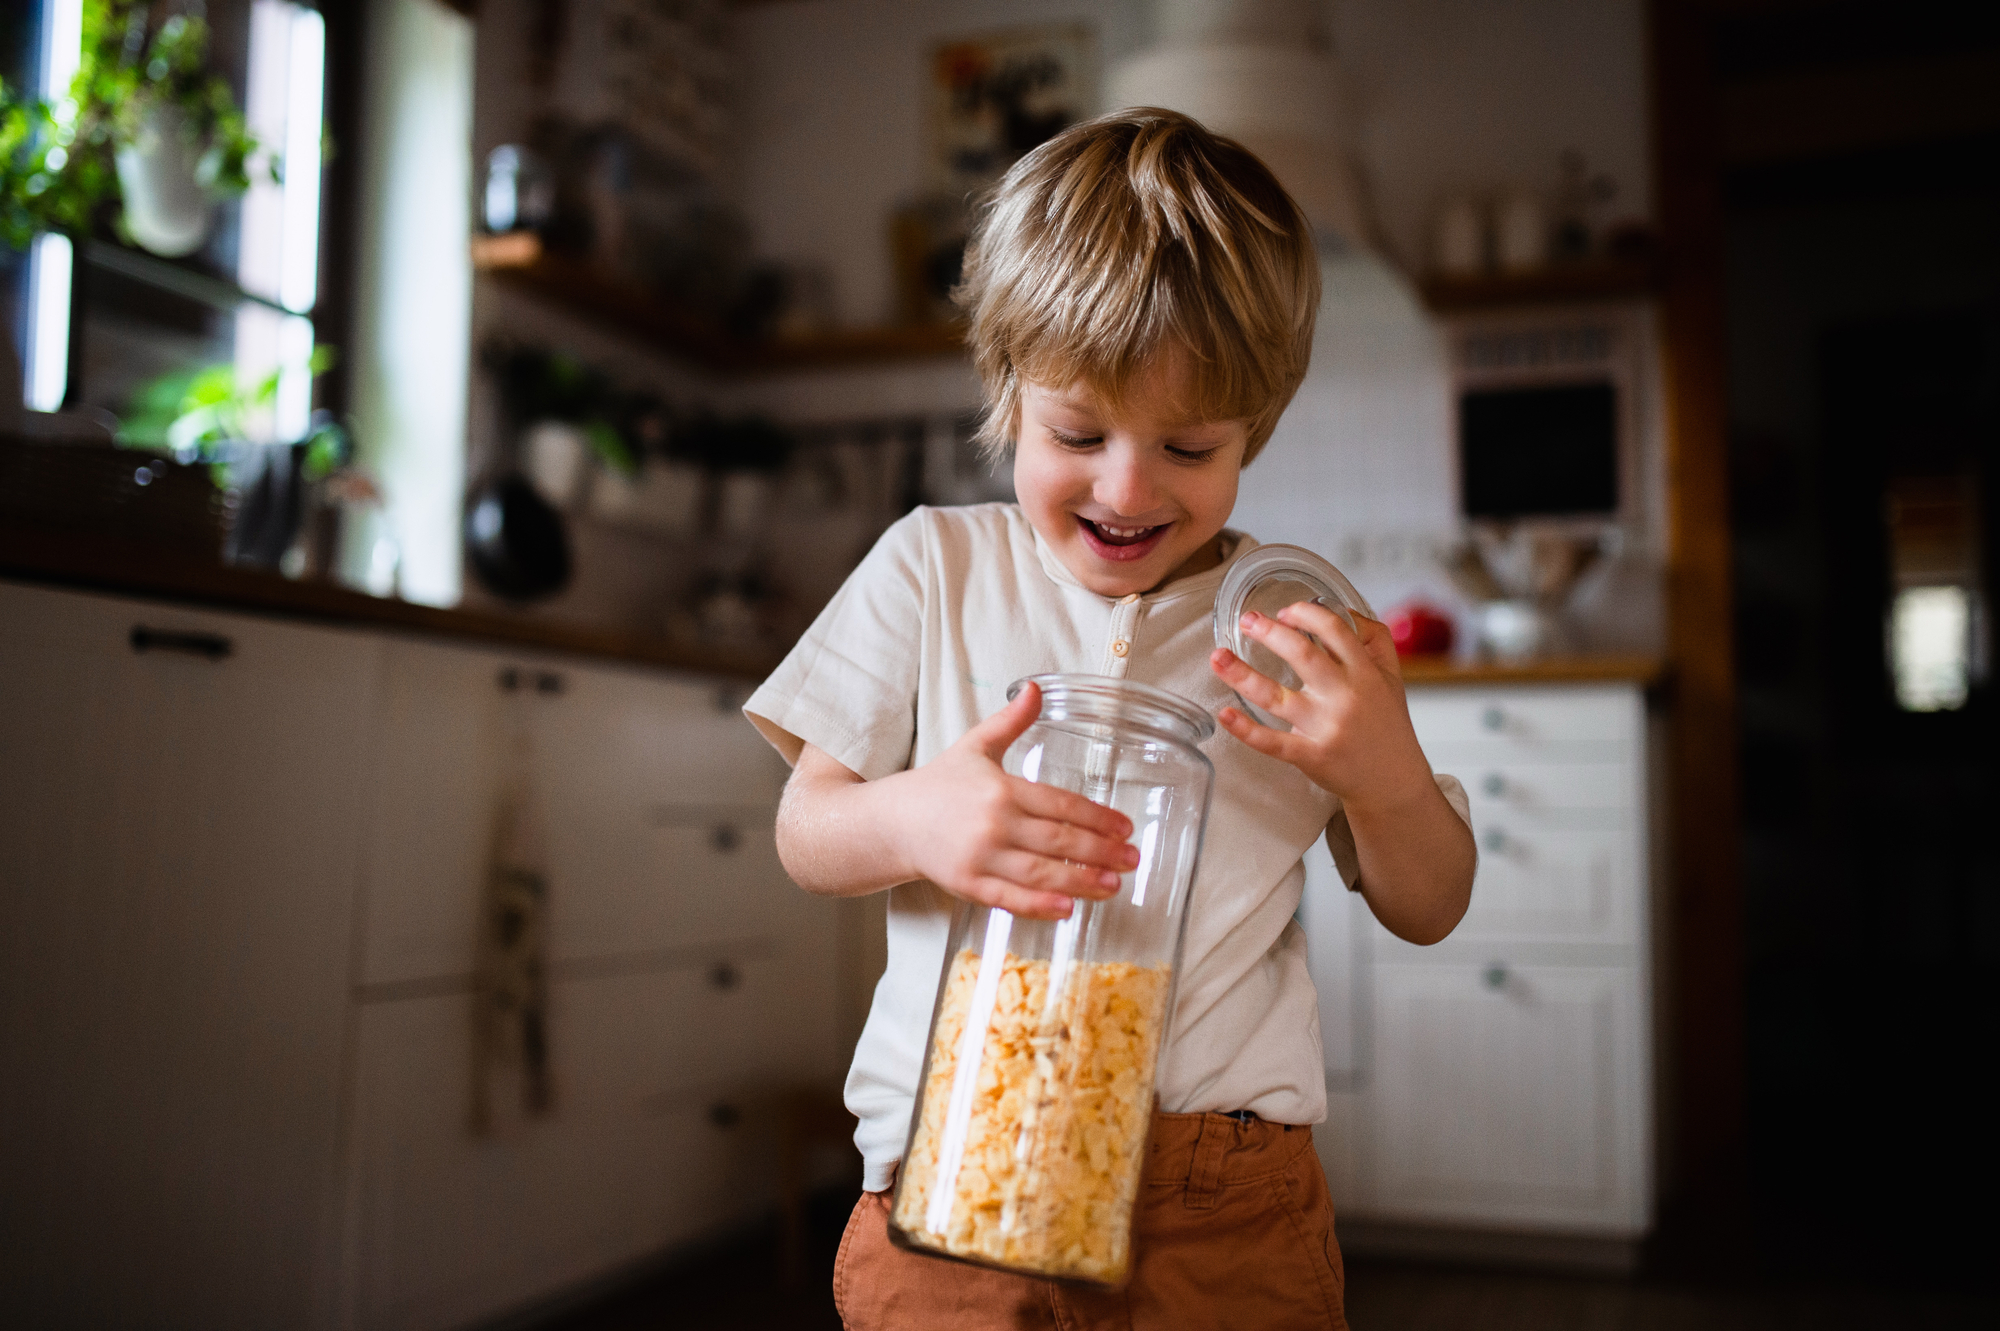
(1311,663)
(1260,689)
(1066,841)
(1065,806)
(1272,743)
(997,732)
(1041,874)
(1019,900)
(1332,631)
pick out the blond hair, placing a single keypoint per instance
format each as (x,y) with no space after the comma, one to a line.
(1133,236)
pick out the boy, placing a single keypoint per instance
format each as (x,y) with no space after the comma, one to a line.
(1142,297)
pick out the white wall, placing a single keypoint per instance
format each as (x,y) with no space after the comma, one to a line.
(1457,96)
(833,109)
(1449,97)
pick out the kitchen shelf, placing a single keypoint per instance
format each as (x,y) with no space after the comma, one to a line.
(181,279)
(520,262)
(1558,284)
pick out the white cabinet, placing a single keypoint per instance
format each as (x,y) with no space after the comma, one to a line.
(240,871)
(180,840)
(1504,1075)
(655,1140)
(1506,1095)
(691,983)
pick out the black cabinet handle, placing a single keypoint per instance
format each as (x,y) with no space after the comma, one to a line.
(208,646)
(725,1115)
(513,679)
(724,976)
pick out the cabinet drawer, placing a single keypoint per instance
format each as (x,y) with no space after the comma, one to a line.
(1527,722)
(661,1133)
(606,749)
(1498,788)
(672,878)
(1510,1094)
(1552,885)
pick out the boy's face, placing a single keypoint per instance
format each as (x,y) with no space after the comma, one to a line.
(1126,500)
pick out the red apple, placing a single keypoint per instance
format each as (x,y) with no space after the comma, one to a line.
(1420,630)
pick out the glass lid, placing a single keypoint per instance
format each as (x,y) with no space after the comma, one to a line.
(1267,580)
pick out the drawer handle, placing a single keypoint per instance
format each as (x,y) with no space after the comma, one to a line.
(1495,840)
(208,646)
(1495,976)
(1493,718)
(724,1115)
(1495,784)
(725,839)
(724,976)
(547,682)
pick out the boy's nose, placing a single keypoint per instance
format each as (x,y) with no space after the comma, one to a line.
(1125,488)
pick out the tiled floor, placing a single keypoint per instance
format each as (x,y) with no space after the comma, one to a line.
(738,1288)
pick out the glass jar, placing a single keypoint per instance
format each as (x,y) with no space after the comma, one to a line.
(1029,1133)
(1267,580)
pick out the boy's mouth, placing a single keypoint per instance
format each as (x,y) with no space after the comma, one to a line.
(1121,543)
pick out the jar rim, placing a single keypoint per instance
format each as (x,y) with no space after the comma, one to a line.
(1124,700)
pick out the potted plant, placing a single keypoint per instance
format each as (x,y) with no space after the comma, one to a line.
(145,122)
(206,416)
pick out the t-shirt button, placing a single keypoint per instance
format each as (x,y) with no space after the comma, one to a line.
(1128,598)
(1120,647)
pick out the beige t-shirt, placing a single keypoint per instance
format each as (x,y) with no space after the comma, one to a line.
(918,646)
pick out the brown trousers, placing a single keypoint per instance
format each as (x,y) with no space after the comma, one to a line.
(1234,1232)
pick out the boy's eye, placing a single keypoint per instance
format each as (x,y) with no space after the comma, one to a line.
(1193,454)
(1075,440)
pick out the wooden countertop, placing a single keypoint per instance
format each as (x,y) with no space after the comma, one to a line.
(1646,671)
(127,568)
(133,569)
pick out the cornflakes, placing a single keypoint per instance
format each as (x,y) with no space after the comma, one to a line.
(1040,1152)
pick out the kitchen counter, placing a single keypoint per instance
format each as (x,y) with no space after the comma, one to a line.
(131,568)
(1646,671)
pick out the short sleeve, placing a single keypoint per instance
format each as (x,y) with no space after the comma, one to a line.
(1340,836)
(849,688)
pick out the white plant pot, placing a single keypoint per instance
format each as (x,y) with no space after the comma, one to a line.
(167,207)
(557,456)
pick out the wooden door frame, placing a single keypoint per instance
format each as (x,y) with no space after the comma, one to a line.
(1705,1055)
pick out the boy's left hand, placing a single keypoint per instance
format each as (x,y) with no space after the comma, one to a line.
(1351,731)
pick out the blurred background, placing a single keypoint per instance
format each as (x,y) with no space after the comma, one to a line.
(422,423)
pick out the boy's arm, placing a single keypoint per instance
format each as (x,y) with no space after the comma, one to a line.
(959,821)
(1351,734)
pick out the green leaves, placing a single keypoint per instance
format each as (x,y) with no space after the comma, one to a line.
(58,160)
(194,412)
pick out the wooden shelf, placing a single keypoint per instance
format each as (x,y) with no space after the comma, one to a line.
(1558,284)
(519,262)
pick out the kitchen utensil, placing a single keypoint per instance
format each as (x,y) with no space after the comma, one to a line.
(1521,232)
(1267,580)
(1458,242)
(515,540)
(1036,1097)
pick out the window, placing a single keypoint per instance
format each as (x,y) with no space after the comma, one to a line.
(247,295)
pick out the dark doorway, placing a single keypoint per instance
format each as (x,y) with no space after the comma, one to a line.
(1864,358)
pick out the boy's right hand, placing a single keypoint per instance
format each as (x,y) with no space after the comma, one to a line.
(999,840)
